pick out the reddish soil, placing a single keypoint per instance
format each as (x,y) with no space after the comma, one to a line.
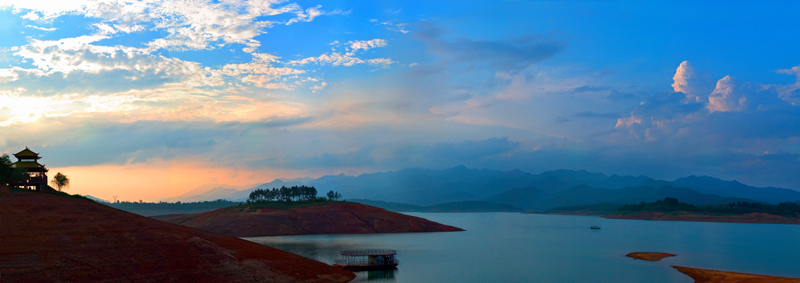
(49,238)
(704,217)
(713,276)
(329,218)
(648,256)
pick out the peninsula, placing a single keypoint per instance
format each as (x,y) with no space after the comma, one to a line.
(275,219)
(49,237)
(714,276)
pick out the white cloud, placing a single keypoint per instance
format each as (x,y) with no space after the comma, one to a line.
(189,24)
(40,28)
(398,27)
(695,85)
(31,16)
(260,72)
(338,59)
(727,96)
(318,87)
(628,121)
(365,45)
(791,93)
(381,61)
(311,13)
(348,58)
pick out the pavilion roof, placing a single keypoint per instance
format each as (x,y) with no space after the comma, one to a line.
(28,165)
(26,153)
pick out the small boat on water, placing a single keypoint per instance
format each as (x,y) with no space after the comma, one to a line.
(360,260)
(595,227)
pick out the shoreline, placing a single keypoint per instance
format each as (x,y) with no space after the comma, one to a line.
(715,276)
(712,276)
(754,218)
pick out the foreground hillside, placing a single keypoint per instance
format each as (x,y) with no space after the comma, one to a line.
(52,238)
(325,218)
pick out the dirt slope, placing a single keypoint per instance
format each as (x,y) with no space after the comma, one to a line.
(49,238)
(329,218)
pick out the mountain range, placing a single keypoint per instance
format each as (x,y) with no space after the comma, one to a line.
(551,189)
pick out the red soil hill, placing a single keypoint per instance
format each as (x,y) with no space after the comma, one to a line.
(51,238)
(328,218)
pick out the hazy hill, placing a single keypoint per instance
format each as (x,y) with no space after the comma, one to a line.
(585,195)
(712,185)
(458,206)
(233,193)
(526,198)
(426,187)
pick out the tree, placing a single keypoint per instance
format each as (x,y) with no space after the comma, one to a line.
(334,195)
(60,181)
(7,171)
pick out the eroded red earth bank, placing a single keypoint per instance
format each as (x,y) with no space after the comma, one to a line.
(48,238)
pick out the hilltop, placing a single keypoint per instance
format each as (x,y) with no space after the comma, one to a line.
(54,238)
(273,219)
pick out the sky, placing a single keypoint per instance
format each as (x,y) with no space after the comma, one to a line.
(151,99)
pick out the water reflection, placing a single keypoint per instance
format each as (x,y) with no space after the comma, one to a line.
(512,247)
(376,275)
(326,248)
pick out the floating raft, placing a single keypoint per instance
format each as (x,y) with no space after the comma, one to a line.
(360,260)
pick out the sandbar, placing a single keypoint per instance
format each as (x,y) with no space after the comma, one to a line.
(649,256)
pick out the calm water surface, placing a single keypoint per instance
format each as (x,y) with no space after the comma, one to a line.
(513,247)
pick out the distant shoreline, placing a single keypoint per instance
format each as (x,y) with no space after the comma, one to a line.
(755,217)
(752,218)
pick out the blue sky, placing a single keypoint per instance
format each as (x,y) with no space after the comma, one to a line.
(249,91)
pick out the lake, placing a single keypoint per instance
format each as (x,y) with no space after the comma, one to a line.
(516,247)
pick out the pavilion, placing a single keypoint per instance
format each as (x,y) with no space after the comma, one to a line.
(36,173)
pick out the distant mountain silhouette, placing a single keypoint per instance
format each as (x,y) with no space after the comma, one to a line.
(712,185)
(426,187)
(458,206)
(527,197)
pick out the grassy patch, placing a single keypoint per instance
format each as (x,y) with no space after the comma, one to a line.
(63,194)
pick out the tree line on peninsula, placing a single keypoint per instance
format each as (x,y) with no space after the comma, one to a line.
(668,204)
(290,194)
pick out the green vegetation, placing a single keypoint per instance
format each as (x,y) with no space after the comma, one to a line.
(60,181)
(50,191)
(7,172)
(788,209)
(290,194)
